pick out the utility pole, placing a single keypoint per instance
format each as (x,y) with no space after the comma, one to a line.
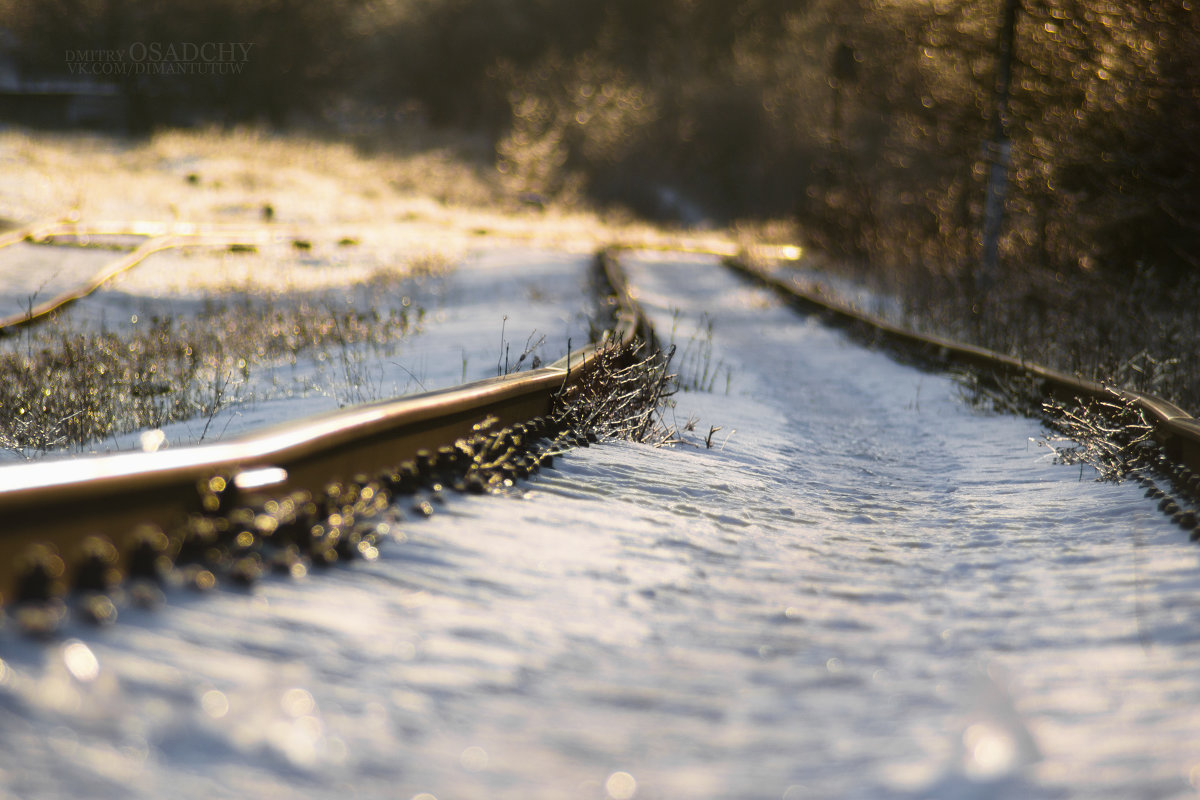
(999,148)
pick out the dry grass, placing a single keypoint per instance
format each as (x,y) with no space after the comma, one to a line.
(1133,335)
(215,175)
(406,185)
(625,397)
(65,387)
(1136,334)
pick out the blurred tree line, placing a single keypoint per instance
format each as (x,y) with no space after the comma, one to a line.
(863,120)
(301,51)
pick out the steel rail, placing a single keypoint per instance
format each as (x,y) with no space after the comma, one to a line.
(159,237)
(47,307)
(31,231)
(1175,431)
(61,504)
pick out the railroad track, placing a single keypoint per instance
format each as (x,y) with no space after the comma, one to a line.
(304,492)
(293,495)
(1175,460)
(158,237)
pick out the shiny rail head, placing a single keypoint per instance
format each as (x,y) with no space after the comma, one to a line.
(245,527)
(245,523)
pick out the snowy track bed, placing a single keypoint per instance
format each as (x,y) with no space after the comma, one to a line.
(864,589)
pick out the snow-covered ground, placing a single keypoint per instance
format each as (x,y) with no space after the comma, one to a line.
(863,589)
(324,216)
(471,315)
(840,290)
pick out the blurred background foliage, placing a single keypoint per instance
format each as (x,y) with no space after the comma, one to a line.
(864,121)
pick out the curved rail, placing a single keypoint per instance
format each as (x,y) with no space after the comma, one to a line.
(110,271)
(31,231)
(159,237)
(60,507)
(1176,431)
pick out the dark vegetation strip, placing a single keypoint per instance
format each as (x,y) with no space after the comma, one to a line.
(122,528)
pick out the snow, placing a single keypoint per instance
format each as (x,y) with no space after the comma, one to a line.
(864,589)
(476,312)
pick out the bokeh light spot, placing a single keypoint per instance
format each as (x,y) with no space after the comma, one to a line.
(297,702)
(990,751)
(474,759)
(621,786)
(214,703)
(81,662)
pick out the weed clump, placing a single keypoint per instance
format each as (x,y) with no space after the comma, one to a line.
(624,397)
(1112,436)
